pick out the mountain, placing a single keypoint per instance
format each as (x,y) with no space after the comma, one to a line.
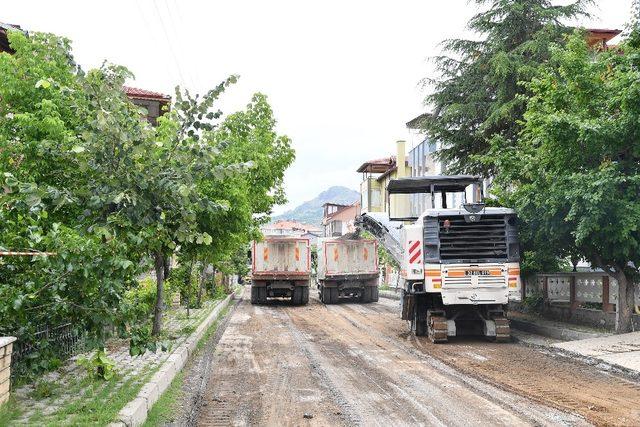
(310,212)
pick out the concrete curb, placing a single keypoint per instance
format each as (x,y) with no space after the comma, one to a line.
(552,331)
(135,412)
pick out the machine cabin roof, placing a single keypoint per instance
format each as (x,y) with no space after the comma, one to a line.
(427,184)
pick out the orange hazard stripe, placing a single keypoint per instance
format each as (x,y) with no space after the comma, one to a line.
(432,273)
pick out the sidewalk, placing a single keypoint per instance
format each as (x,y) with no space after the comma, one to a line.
(69,396)
(621,350)
(553,329)
(600,346)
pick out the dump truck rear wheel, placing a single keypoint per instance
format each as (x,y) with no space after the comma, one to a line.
(374,294)
(334,295)
(296,295)
(366,294)
(254,295)
(326,295)
(305,295)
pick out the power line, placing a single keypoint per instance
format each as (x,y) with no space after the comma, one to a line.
(173,54)
(151,32)
(192,36)
(176,35)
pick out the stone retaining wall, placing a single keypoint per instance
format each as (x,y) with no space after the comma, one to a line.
(6,348)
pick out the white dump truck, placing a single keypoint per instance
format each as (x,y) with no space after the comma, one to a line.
(280,268)
(347,268)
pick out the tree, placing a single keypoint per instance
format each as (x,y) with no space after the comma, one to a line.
(575,171)
(244,138)
(477,103)
(46,202)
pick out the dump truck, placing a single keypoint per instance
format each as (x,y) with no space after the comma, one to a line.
(347,268)
(459,265)
(280,268)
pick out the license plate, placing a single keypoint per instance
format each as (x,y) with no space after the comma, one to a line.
(476,273)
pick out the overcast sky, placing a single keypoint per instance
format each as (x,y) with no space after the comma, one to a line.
(342,76)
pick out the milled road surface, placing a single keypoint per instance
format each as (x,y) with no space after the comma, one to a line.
(355,364)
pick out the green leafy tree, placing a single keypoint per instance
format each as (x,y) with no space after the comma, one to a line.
(575,173)
(46,202)
(477,101)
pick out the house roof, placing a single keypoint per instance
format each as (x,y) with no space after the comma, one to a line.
(4,41)
(286,224)
(136,93)
(378,165)
(417,122)
(341,210)
(601,35)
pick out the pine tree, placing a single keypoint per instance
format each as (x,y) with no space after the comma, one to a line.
(477,105)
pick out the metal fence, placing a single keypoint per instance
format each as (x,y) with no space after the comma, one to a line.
(62,341)
(576,289)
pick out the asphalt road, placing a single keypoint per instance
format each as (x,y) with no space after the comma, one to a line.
(355,364)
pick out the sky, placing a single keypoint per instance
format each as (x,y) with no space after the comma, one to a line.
(343,77)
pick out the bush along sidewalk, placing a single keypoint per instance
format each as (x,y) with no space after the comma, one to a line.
(93,388)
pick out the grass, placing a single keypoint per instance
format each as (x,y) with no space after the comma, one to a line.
(164,410)
(9,411)
(44,389)
(102,400)
(102,403)
(211,329)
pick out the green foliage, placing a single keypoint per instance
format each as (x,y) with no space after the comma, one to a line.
(44,389)
(99,366)
(533,303)
(575,174)
(478,101)
(141,340)
(83,176)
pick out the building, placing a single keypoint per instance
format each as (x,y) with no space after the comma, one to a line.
(599,38)
(289,228)
(155,103)
(4,40)
(376,174)
(338,220)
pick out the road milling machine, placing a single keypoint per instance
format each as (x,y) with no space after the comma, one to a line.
(459,265)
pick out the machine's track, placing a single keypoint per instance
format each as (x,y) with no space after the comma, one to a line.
(437,329)
(503,331)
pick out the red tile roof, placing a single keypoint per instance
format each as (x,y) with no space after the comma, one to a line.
(292,225)
(378,165)
(136,93)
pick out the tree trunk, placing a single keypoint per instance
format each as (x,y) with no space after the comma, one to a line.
(157,312)
(201,285)
(167,267)
(624,311)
